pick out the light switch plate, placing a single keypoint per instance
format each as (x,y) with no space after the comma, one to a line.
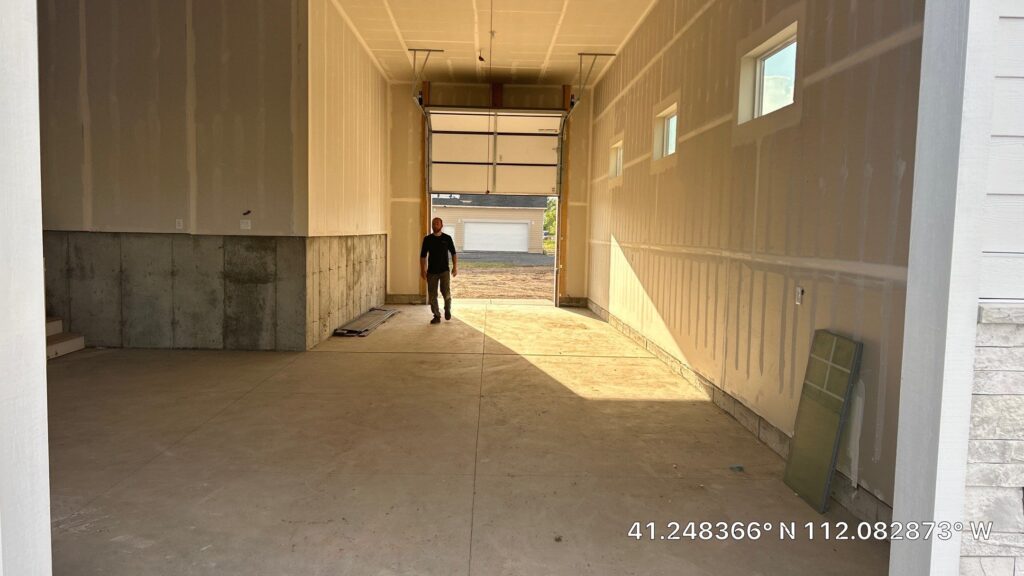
(179,224)
(245,224)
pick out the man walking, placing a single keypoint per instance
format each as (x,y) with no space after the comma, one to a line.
(435,268)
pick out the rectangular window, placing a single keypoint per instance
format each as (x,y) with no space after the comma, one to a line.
(663,142)
(615,160)
(668,146)
(776,78)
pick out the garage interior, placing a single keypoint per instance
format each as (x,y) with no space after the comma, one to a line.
(223,184)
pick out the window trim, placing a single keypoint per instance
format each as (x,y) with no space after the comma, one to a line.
(777,34)
(661,112)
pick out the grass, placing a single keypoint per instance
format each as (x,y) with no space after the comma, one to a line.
(549,245)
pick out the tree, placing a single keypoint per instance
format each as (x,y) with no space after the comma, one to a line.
(549,217)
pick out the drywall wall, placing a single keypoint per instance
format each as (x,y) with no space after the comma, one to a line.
(348,129)
(576,188)
(161,111)
(24,462)
(405,227)
(703,253)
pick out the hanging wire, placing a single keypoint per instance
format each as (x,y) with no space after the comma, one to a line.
(490,48)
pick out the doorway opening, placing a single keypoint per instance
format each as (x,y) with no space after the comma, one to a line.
(506,244)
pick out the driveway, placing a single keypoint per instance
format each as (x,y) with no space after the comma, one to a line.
(504,275)
(510,258)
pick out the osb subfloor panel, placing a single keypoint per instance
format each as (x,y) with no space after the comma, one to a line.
(511,440)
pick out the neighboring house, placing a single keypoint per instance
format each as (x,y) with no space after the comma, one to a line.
(492,222)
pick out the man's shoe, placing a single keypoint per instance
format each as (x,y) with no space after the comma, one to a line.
(436,320)
(447,314)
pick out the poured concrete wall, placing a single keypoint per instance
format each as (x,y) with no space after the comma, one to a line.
(345,277)
(165,110)
(348,129)
(178,291)
(214,292)
(24,463)
(703,254)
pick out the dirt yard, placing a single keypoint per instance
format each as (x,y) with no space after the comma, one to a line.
(504,282)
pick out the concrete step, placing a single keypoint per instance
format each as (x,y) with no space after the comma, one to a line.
(64,343)
(54,325)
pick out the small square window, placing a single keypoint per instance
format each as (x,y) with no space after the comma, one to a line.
(615,160)
(776,78)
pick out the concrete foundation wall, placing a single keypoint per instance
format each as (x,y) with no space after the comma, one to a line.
(703,252)
(216,292)
(174,116)
(345,277)
(995,468)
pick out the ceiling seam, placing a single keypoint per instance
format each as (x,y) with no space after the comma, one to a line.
(554,39)
(362,41)
(401,39)
(608,65)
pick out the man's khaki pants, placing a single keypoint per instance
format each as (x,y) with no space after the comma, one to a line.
(445,280)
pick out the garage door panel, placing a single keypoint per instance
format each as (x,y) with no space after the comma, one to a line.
(459,178)
(461,148)
(533,180)
(497,236)
(527,150)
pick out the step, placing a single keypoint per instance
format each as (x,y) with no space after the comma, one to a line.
(64,343)
(54,325)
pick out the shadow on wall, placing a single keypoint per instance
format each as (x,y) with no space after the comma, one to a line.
(734,328)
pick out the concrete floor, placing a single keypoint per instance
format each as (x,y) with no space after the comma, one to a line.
(515,439)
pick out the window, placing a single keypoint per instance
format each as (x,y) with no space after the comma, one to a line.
(669,146)
(776,78)
(665,123)
(768,67)
(615,160)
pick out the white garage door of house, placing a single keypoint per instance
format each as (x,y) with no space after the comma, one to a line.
(497,236)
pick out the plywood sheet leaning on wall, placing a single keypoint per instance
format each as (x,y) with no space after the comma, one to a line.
(831,374)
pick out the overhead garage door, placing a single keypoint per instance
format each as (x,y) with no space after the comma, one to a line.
(497,236)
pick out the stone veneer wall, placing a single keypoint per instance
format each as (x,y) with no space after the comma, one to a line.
(995,460)
(855,499)
(214,292)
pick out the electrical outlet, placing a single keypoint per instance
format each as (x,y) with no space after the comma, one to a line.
(245,224)
(799,295)
(179,224)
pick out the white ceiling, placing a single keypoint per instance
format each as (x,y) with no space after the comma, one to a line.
(535,41)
